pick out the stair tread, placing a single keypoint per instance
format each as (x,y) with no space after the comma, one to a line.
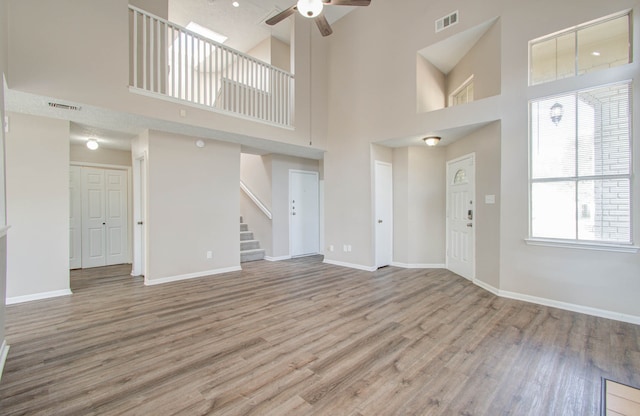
(252,250)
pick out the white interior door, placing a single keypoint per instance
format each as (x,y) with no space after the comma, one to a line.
(304,213)
(116,215)
(104,217)
(94,218)
(75,218)
(461,216)
(383,213)
(139,210)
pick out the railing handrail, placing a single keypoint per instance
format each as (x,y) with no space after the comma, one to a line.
(205,39)
(256,200)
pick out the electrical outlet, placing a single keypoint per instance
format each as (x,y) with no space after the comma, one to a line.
(209,254)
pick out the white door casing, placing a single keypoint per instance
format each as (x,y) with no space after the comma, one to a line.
(304,213)
(383,215)
(461,216)
(75,217)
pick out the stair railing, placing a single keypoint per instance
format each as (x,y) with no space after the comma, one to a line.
(255,200)
(169,61)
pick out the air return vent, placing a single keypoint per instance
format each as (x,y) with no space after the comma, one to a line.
(445,22)
(63,106)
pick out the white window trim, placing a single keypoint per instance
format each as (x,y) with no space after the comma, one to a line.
(582,245)
(462,86)
(575,29)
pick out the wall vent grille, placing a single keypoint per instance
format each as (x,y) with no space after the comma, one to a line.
(447,21)
(64,106)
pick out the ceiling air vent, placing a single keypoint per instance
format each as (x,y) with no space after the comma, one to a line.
(446,21)
(63,106)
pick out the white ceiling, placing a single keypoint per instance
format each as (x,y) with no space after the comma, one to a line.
(244,25)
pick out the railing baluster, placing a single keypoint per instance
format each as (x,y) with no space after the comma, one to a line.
(169,60)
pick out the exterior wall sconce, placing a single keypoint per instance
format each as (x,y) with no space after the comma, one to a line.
(431,140)
(556,113)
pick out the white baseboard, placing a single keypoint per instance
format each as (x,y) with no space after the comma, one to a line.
(418,266)
(38,296)
(587,310)
(487,287)
(169,279)
(350,265)
(279,258)
(4,351)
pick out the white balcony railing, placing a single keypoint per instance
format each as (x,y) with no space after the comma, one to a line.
(176,63)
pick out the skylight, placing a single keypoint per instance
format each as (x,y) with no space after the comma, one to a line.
(207,33)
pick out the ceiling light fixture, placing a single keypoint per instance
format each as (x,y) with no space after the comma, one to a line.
(595,53)
(431,140)
(92,144)
(310,8)
(235,4)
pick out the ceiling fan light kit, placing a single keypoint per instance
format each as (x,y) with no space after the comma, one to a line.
(312,9)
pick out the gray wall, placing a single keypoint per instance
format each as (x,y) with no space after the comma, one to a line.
(193,200)
(80,153)
(4,24)
(37,170)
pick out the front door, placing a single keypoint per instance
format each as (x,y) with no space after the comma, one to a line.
(461,216)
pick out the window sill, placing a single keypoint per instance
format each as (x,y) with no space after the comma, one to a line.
(617,248)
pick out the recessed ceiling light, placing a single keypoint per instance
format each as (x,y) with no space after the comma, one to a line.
(595,53)
(235,4)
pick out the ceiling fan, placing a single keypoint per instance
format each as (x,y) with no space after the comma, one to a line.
(312,9)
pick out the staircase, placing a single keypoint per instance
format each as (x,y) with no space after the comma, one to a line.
(249,247)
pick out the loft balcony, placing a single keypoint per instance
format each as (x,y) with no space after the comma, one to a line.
(173,63)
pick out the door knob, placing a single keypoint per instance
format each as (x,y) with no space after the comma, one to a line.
(293,213)
(139,222)
(470,225)
(379,221)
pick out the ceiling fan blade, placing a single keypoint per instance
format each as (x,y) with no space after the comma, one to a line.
(281,16)
(348,2)
(323,25)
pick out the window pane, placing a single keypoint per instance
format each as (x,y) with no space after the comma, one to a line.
(553,137)
(604,210)
(553,59)
(553,210)
(604,45)
(604,126)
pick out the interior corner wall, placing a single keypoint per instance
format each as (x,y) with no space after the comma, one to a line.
(81,154)
(37,174)
(193,207)
(483,62)
(485,143)
(158,7)
(430,86)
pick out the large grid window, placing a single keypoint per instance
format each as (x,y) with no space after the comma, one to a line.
(581,165)
(576,51)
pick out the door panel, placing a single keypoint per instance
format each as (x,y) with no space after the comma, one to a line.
(304,213)
(461,217)
(383,213)
(104,213)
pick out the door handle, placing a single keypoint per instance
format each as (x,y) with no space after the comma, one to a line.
(470,225)
(379,221)
(140,223)
(293,213)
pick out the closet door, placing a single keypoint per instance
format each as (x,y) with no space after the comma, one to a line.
(94,219)
(104,217)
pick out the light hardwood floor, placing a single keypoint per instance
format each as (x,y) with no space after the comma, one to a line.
(301,337)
